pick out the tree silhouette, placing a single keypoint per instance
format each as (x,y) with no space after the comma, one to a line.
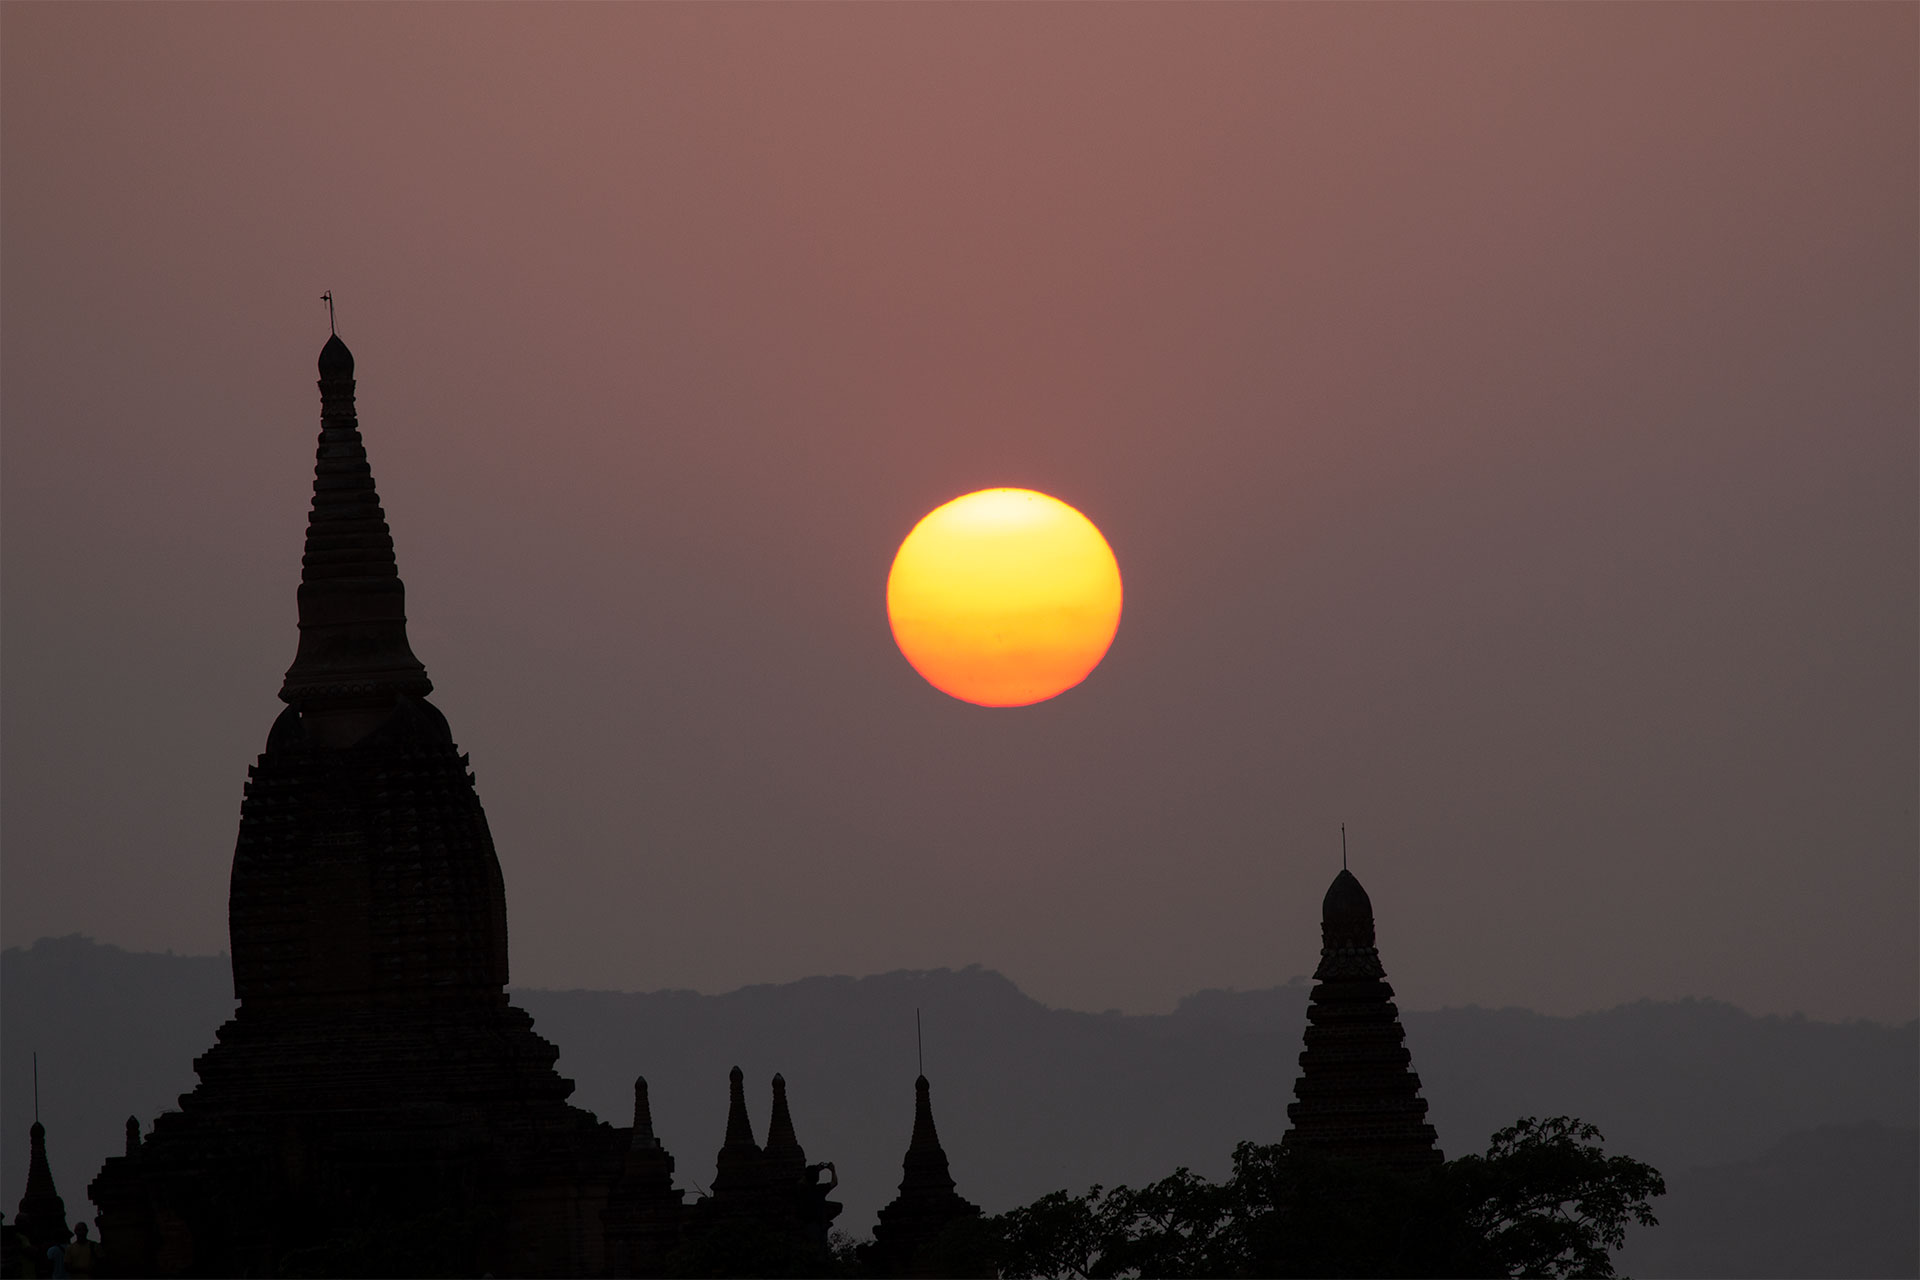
(1550,1202)
(1545,1200)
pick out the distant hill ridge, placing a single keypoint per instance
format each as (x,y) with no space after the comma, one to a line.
(1028,1098)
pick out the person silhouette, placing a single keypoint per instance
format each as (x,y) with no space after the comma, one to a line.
(57,1262)
(81,1254)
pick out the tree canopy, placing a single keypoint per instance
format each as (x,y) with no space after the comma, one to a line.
(1545,1200)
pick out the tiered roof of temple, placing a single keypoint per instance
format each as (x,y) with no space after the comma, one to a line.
(1358,1098)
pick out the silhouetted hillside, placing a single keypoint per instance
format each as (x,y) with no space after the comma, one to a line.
(1834,1201)
(1030,1099)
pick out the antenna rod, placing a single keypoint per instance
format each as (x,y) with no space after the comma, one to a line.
(919,1044)
(327,298)
(36,1087)
(1343,846)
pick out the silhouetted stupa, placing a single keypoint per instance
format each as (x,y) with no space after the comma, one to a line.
(644,1209)
(768,1210)
(42,1219)
(927,1204)
(375,1104)
(1358,1098)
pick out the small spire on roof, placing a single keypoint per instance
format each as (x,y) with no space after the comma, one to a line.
(642,1115)
(785,1158)
(739,1127)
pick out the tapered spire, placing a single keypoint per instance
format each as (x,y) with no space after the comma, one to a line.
(740,1167)
(642,1116)
(786,1161)
(1357,1097)
(927,1204)
(643,1214)
(647,1174)
(42,1218)
(133,1135)
(739,1126)
(926,1164)
(353,651)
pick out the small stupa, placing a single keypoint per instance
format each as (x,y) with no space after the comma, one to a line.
(927,1204)
(42,1219)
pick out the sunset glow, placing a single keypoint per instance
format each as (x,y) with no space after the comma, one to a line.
(1004,597)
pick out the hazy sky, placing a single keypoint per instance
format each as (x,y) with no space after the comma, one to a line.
(1504,417)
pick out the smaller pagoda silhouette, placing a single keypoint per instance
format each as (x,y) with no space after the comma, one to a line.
(909,1227)
(644,1208)
(768,1211)
(1357,1096)
(41,1223)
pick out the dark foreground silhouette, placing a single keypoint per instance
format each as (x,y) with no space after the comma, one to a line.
(1545,1200)
(376,1105)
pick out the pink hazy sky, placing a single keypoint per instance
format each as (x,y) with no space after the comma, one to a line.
(1504,417)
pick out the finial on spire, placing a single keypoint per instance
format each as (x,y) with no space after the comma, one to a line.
(36,1086)
(327,298)
(1343,846)
(919,1044)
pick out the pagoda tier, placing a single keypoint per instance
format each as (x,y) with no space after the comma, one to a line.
(1357,1095)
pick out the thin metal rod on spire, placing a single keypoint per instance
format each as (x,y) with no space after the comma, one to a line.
(1343,846)
(36,1086)
(327,298)
(919,1044)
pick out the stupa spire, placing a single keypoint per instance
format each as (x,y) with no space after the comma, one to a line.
(739,1125)
(643,1213)
(642,1116)
(353,652)
(1357,1095)
(740,1167)
(925,1136)
(42,1218)
(786,1161)
(927,1204)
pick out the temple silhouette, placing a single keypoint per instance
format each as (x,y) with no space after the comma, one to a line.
(375,1099)
(377,1106)
(1357,1097)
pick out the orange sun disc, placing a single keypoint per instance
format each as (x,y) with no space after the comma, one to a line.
(1005,597)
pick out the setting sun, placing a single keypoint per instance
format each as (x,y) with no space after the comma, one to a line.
(1004,597)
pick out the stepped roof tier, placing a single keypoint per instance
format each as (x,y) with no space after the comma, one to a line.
(1357,1097)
